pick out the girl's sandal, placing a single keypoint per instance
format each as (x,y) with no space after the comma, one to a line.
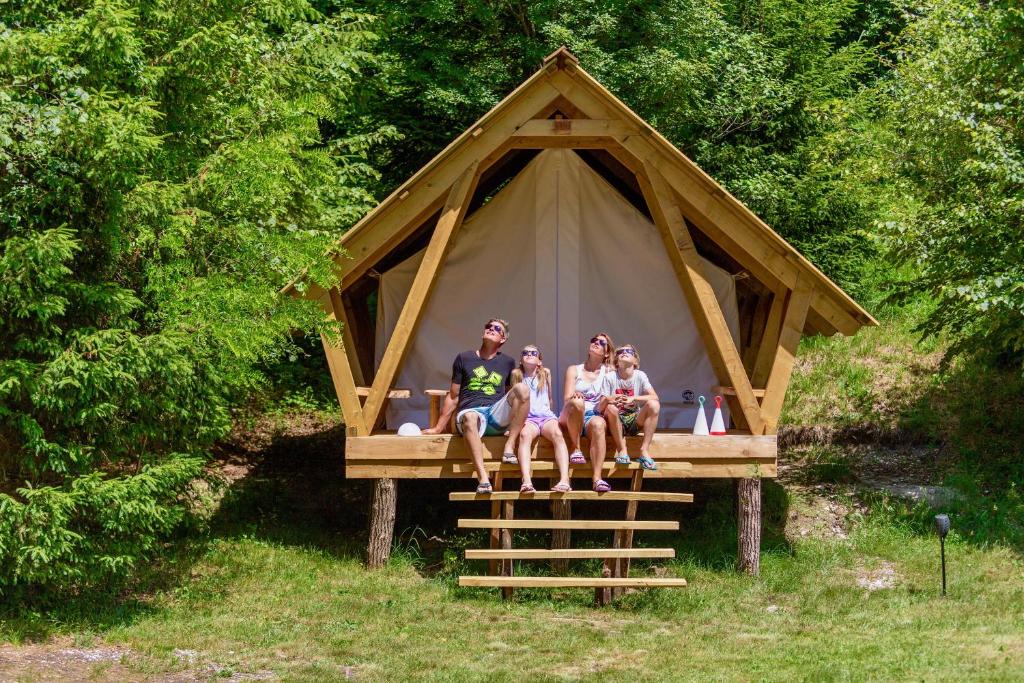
(484,487)
(561,488)
(577,458)
(602,486)
(527,488)
(510,458)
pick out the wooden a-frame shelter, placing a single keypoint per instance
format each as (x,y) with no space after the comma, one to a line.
(782,296)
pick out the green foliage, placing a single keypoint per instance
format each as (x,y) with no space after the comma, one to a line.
(951,145)
(753,92)
(163,173)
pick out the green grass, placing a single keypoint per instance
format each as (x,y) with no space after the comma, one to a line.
(302,613)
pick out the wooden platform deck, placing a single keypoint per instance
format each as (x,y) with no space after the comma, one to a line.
(679,454)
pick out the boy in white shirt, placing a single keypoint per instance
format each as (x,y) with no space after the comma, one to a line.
(636,403)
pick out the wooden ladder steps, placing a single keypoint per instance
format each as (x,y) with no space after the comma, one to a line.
(567,553)
(642,496)
(592,524)
(570,582)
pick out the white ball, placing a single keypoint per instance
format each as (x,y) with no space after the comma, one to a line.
(409,429)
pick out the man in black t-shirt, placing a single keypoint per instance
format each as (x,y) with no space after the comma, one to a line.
(482,399)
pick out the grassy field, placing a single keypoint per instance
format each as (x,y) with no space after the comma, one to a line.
(273,588)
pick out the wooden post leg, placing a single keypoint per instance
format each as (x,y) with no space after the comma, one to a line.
(493,565)
(560,538)
(506,544)
(625,536)
(748,556)
(382,523)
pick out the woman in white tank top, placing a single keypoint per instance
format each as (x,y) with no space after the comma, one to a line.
(586,392)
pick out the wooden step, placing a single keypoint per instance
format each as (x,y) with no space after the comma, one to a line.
(568,553)
(600,524)
(646,496)
(569,582)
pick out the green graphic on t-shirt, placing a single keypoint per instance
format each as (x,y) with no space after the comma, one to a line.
(481,381)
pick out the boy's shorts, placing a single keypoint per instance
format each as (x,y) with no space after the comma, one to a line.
(630,424)
(495,416)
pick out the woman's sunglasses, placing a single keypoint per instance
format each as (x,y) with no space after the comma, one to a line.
(530,352)
(599,340)
(494,328)
(625,352)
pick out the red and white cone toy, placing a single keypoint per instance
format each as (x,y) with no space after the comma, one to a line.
(718,422)
(700,427)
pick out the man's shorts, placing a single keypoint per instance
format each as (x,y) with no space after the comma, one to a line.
(495,416)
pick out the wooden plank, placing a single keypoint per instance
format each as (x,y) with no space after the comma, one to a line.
(665,448)
(765,468)
(344,388)
(569,554)
(785,353)
(769,342)
(642,496)
(625,537)
(567,582)
(393,393)
(408,320)
(592,524)
(730,391)
(707,313)
(348,338)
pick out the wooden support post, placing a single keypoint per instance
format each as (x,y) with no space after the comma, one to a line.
(408,320)
(748,555)
(561,539)
(493,565)
(382,523)
(785,353)
(624,538)
(507,512)
(769,341)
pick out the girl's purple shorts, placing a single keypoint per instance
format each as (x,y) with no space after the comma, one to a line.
(539,422)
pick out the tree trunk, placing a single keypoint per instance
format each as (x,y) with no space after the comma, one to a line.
(748,556)
(382,523)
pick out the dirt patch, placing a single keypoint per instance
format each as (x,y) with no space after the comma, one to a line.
(59,660)
(883,576)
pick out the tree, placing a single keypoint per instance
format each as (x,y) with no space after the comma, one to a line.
(162,175)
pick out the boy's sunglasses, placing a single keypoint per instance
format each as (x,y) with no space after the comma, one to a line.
(494,328)
(599,340)
(531,352)
(625,352)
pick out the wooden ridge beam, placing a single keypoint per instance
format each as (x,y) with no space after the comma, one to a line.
(575,128)
(412,310)
(707,313)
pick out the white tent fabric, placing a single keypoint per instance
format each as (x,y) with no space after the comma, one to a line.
(561,255)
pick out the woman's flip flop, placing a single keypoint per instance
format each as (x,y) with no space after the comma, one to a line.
(577,458)
(527,488)
(561,488)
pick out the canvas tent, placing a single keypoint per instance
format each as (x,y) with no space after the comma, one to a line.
(561,255)
(563,211)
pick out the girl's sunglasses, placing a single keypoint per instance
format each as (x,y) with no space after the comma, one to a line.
(494,328)
(530,352)
(625,352)
(599,340)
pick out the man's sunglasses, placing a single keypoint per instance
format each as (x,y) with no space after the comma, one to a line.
(531,352)
(625,352)
(494,328)
(599,340)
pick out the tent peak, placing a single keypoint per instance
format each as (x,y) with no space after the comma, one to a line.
(561,57)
